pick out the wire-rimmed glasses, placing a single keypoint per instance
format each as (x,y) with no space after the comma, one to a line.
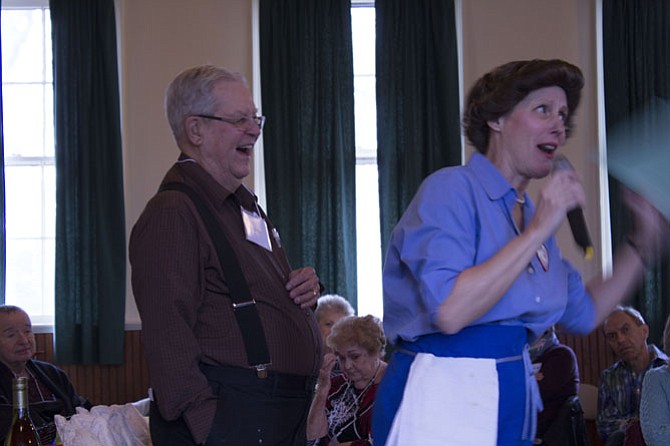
(242,122)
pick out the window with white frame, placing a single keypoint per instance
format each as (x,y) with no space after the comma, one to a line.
(30,172)
(369,257)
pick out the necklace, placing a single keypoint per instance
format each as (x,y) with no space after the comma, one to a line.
(521,200)
(344,409)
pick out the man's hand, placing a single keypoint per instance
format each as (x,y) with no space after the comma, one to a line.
(303,286)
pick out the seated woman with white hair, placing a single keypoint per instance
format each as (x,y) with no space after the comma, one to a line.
(330,308)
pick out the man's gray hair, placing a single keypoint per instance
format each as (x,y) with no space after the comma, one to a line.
(191,93)
(630,311)
(7,309)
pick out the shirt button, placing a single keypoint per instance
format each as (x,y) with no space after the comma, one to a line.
(531,270)
(538,299)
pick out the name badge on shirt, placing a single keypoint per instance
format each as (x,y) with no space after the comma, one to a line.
(543,257)
(256,229)
(536,368)
(275,234)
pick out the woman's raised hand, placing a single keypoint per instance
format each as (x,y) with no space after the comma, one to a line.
(651,231)
(562,192)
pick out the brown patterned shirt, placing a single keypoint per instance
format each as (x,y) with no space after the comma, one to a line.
(184,302)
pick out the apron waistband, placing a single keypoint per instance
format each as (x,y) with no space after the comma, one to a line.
(498,360)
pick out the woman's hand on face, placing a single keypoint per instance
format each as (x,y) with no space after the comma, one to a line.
(561,193)
(329,360)
(651,231)
(323,382)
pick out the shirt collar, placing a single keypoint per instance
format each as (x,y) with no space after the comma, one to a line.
(194,174)
(492,180)
(243,195)
(246,198)
(657,359)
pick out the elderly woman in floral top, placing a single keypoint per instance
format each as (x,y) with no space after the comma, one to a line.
(341,411)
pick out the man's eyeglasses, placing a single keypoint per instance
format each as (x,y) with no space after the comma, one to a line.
(240,123)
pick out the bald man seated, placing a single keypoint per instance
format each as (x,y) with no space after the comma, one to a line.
(50,391)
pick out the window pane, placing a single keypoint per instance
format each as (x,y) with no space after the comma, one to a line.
(49,194)
(363,35)
(368,241)
(49,277)
(366,116)
(30,174)
(369,257)
(48,55)
(23,114)
(24,274)
(49,147)
(22,45)
(23,202)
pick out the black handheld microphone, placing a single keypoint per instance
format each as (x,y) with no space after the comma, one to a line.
(576,216)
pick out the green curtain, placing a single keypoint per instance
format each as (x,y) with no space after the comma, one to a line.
(3,234)
(418,117)
(90,221)
(636,65)
(307,89)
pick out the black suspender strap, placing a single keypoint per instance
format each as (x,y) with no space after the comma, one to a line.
(244,306)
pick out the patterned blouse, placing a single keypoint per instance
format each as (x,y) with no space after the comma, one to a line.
(349,413)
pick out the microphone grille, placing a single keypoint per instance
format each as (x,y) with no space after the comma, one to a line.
(561,163)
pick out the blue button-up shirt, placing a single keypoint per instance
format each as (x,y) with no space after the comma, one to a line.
(460,217)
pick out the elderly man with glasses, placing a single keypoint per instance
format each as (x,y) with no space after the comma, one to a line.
(230,336)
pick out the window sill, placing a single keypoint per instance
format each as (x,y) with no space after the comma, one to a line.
(49,328)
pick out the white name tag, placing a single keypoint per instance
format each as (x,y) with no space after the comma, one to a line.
(256,229)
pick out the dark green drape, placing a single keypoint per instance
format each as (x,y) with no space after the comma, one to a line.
(3,235)
(636,62)
(418,122)
(307,89)
(90,221)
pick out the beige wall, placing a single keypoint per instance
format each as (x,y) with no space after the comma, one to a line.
(159,38)
(498,31)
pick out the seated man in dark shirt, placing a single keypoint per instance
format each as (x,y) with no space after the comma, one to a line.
(50,392)
(557,376)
